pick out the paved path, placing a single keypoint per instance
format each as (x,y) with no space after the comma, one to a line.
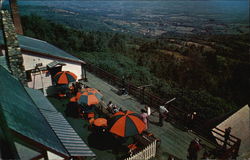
(173,140)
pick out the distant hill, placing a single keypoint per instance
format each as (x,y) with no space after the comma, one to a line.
(207,73)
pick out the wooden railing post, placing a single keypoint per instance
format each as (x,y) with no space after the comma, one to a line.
(236,149)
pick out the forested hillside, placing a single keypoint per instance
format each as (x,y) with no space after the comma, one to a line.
(209,74)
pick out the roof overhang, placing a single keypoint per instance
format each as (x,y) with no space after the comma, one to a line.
(55,64)
(29,52)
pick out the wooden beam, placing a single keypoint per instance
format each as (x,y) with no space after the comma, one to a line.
(38,157)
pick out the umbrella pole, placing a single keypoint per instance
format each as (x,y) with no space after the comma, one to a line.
(84,72)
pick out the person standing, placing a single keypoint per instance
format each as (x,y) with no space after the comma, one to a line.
(193,149)
(148,109)
(144,117)
(163,114)
(123,81)
(190,120)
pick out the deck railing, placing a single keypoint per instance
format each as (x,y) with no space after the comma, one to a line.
(147,153)
(229,147)
(177,114)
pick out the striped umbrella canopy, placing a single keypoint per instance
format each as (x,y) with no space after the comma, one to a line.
(87,98)
(64,77)
(126,124)
(94,91)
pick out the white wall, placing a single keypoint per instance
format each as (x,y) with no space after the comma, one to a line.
(37,80)
(30,62)
(25,152)
(52,156)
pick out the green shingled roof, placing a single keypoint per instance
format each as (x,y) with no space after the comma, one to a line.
(36,45)
(40,100)
(23,116)
(40,46)
(3,62)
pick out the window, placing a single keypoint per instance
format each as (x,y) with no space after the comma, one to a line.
(28,76)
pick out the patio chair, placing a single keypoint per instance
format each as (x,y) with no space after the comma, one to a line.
(91,122)
(62,95)
(91,115)
(132,148)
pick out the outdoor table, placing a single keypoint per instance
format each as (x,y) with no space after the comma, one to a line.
(100,122)
(144,139)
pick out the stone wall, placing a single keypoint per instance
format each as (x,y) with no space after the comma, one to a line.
(13,50)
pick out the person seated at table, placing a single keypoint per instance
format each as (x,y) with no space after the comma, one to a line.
(77,88)
(91,122)
(110,106)
(72,89)
(124,91)
(62,93)
(81,113)
(91,118)
(121,110)
(115,109)
(86,86)
(91,115)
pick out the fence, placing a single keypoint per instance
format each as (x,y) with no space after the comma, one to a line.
(147,153)
(154,101)
(230,147)
(139,93)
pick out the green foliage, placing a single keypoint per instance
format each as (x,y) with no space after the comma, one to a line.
(207,74)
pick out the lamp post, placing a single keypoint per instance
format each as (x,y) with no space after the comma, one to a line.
(143,90)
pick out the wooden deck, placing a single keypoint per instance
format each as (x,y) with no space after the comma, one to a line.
(174,140)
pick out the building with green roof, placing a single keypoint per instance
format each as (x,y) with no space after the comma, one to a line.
(34,123)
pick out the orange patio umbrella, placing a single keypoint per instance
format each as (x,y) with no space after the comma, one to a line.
(87,98)
(65,77)
(73,99)
(126,124)
(94,91)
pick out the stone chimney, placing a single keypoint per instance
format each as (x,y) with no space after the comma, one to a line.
(13,51)
(16,17)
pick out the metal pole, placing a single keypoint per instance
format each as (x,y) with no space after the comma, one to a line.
(169,101)
(143,90)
